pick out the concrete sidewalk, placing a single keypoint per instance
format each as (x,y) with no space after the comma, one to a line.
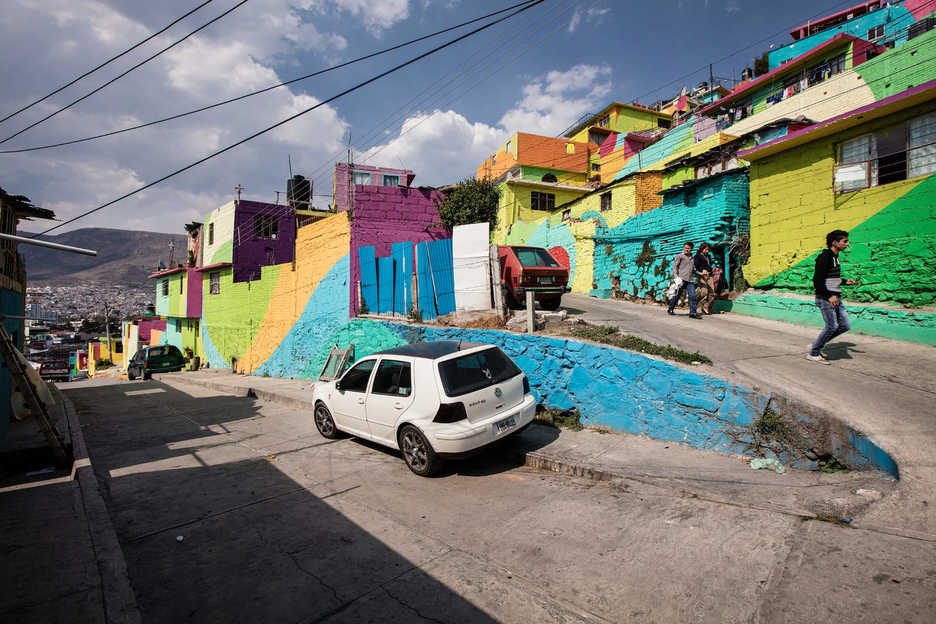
(61,558)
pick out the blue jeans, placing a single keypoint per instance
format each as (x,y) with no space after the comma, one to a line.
(836,323)
(690,286)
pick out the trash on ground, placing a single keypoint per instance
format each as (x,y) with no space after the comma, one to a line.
(767,462)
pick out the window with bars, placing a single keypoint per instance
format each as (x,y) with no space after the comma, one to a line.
(214,283)
(606,201)
(164,288)
(904,150)
(542,201)
(876,33)
(391,180)
(265,226)
(605,121)
(360,177)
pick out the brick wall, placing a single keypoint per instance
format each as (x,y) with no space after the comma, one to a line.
(634,258)
(387,215)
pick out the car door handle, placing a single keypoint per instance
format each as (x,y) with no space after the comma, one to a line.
(361,400)
(397,405)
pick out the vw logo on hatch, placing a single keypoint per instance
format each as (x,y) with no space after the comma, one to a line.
(497,392)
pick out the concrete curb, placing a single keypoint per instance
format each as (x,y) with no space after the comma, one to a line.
(119,600)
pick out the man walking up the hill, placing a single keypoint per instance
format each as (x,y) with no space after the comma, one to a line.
(683,268)
(827,281)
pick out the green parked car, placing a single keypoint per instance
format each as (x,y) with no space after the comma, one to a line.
(149,360)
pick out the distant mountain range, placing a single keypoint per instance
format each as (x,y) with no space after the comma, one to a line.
(124,257)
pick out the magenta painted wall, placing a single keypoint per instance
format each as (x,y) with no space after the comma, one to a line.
(386,215)
(148,325)
(193,298)
(340,184)
(605,149)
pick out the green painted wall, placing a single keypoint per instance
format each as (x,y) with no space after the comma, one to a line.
(675,177)
(892,227)
(918,327)
(906,66)
(234,315)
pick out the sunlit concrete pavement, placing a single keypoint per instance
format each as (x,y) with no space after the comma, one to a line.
(884,388)
(232,508)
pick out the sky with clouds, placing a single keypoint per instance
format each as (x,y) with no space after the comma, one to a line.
(538,72)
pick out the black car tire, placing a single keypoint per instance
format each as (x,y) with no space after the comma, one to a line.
(417,452)
(325,423)
(131,375)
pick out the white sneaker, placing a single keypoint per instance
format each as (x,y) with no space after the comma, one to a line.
(818,359)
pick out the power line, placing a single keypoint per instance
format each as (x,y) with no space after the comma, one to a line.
(259,91)
(121,75)
(299,114)
(107,62)
(443,81)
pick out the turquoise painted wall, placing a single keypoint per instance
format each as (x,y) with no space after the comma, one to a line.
(679,138)
(11,303)
(635,257)
(907,325)
(621,389)
(895,19)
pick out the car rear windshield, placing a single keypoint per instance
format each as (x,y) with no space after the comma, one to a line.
(535,257)
(158,351)
(474,371)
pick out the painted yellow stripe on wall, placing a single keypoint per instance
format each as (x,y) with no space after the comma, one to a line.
(318,247)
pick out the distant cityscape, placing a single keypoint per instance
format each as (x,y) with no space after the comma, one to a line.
(62,303)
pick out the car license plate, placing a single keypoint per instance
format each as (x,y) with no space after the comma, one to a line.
(546,280)
(504,425)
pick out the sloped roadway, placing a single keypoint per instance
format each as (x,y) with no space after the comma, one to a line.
(231,509)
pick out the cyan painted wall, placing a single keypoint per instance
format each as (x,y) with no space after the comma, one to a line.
(12,304)
(620,389)
(634,258)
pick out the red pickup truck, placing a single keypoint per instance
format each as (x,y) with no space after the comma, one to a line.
(535,269)
(54,370)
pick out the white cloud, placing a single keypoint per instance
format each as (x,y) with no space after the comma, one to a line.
(589,15)
(444,147)
(232,57)
(376,15)
(441,147)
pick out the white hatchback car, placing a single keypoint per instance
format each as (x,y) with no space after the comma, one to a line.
(430,400)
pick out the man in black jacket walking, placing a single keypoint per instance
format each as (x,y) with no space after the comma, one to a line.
(827,281)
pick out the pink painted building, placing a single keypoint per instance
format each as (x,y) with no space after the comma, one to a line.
(349,179)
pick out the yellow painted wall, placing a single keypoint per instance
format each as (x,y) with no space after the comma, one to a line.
(318,247)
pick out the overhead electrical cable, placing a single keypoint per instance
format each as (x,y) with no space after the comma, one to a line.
(107,62)
(264,90)
(122,74)
(297,115)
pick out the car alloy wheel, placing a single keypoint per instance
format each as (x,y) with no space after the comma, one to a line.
(324,422)
(417,452)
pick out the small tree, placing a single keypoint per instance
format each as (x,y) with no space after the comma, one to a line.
(472,201)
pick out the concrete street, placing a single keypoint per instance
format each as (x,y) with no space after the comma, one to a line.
(279,524)
(885,388)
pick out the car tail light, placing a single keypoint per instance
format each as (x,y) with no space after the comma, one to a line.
(450,412)
(145,364)
(526,385)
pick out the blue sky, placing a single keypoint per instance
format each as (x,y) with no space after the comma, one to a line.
(440,117)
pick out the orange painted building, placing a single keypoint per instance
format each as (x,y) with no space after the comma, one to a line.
(561,155)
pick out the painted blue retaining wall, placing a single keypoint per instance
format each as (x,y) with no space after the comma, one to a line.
(622,390)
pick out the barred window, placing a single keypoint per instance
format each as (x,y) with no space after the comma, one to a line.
(606,201)
(266,226)
(214,283)
(542,201)
(165,288)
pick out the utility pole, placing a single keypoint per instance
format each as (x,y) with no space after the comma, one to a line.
(107,332)
(239,188)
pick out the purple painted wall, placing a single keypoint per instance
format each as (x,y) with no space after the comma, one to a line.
(148,325)
(340,184)
(704,128)
(250,253)
(193,296)
(387,215)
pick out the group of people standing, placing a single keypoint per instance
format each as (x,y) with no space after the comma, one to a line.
(696,276)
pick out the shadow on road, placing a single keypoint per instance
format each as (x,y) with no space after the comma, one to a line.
(214,531)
